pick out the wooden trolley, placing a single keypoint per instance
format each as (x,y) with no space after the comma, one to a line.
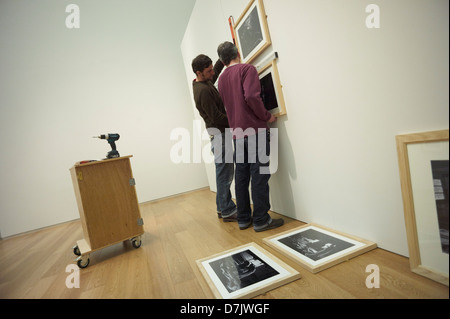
(107,201)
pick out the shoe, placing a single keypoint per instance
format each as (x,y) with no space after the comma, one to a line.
(219,215)
(275,223)
(242,227)
(232,218)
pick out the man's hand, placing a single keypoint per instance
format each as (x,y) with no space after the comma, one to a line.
(272,119)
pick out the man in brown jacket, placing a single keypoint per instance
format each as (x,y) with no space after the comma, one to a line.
(211,109)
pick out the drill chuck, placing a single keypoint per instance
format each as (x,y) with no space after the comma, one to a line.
(114,136)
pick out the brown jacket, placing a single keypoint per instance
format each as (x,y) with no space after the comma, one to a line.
(209,103)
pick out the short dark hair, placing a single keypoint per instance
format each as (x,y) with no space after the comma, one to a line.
(200,63)
(227,52)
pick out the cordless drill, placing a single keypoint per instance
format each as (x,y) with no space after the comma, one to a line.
(111,138)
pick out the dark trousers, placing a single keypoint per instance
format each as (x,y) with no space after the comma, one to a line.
(251,159)
(220,146)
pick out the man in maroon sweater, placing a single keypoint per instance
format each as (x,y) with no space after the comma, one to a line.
(240,90)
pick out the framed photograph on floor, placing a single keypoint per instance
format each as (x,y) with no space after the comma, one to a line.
(316,247)
(423,165)
(271,89)
(252,31)
(245,272)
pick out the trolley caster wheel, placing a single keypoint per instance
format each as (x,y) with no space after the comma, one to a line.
(83,264)
(76,250)
(136,242)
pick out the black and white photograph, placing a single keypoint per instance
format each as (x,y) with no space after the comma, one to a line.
(317,247)
(440,183)
(245,272)
(268,94)
(314,244)
(271,89)
(252,31)
(241,270)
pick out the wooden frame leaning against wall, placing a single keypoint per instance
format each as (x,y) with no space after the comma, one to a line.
(423,196)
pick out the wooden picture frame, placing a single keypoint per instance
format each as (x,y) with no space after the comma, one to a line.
(316,247)
(252,31)
(416,153)
(245,272)
(271,89)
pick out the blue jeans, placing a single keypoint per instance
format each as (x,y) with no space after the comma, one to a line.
(221,148)
(252,162)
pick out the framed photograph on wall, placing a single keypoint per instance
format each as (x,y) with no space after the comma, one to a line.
(245,272)
(252,32)
(271,89)
(316,247)
(423,164)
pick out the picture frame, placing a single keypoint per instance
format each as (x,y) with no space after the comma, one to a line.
(271,89)
(422,193)
(252,31)
(316,247)
(245,272)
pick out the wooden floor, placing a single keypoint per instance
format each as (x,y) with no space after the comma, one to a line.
(178,231)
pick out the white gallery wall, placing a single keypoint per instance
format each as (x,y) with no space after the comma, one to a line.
(120,72)
(349,90)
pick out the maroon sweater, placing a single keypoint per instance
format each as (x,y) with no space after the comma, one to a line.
(240,90)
